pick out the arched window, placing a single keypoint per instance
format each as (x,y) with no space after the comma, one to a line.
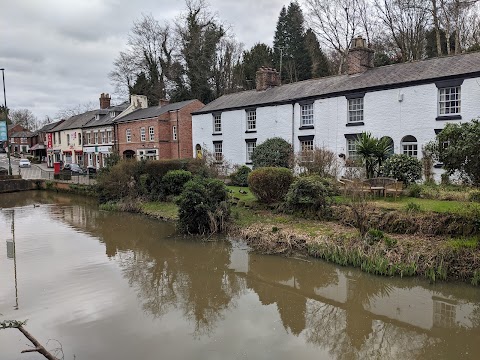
(390,143)
(410,146)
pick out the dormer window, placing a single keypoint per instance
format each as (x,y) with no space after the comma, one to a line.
(113,114)
(97,116)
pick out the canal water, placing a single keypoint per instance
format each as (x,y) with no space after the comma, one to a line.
(121,286)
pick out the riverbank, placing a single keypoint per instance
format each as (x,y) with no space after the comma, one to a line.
(422,252)
(438,246)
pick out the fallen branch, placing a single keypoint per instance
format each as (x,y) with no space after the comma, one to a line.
(15,324)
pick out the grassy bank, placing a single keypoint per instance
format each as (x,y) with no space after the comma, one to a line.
(421,246)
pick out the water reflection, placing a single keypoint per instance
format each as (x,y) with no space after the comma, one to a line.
(345,313)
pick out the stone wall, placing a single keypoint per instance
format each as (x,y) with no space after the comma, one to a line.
(16,185)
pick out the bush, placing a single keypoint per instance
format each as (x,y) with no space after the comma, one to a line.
(414,190)
(403,168)
(174,180)
(270,184)
(274,152)
(412,207)
(203,206)
(310,194)
(240,177)
(474,196)
(320,161)
(120,181)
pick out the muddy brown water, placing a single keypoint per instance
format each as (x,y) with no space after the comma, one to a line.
(121,286)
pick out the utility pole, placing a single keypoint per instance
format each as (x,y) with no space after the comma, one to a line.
(281,59)
(6,123)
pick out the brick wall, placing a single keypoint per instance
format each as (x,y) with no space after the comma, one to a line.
(163,133)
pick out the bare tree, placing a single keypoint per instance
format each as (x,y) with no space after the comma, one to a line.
(75,110)
(337,22)
(406,22)
(25,118)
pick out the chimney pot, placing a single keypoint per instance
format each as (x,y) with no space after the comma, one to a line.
(360,57)
(104,101)
(163,102)
(266,78)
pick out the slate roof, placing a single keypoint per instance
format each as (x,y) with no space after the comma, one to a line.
(105,118)
(153,111)
(22,134)
(384,77)
(76,121)
(48,127)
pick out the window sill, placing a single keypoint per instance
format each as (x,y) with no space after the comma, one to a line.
(358,123)
(438,166)
(214,134)
(249,163)
(449,117)
(250,131)
(306,127)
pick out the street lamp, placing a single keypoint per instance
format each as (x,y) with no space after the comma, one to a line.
(6,123)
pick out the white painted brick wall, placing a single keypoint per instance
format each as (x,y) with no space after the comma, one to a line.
(384,115)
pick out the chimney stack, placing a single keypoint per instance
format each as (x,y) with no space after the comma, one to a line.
(360,57)
(104,101)
(163,102)
(267,78)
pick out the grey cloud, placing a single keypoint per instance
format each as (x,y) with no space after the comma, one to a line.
(58,54)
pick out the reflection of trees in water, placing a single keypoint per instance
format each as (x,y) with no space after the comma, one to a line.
(194,278)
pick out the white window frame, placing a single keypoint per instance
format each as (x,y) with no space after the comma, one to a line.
(449,100)
(410,148)
(306,150)
(143,134)
(355,110)
(250,147)
(306,115)
(217,123)
(104,137)
(251,119)
(109,136)
(95,137)
(151,133)
(352,149)
(89,138)
(174,133)
(218,151)
(128,135)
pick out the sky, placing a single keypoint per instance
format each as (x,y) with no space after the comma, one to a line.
(57,53)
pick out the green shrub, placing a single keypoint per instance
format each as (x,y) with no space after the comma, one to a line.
(274,152)
(412,207)
(240,177)
(270,184)
(174,180)
(414,190)
(402,167)
(310,194)
(120,181)
(474,196)
(203,206)
(374,236)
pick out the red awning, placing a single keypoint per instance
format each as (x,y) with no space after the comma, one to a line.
(78,152)
(67,152)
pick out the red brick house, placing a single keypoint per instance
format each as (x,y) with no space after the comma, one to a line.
(21,141)
(157,132)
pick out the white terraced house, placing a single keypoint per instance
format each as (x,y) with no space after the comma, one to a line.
(408,102)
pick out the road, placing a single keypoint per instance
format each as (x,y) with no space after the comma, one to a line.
(32,172)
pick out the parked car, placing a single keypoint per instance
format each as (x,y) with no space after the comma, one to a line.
(24,163)
(74,168)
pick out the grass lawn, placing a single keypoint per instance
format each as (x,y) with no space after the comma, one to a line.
(166,210)
(439,206)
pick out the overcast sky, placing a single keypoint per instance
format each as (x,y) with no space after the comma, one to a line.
(57,53)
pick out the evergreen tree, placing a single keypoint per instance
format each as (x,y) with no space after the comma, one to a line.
(290,37)
(320,63)
(259,55)
(148,87)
